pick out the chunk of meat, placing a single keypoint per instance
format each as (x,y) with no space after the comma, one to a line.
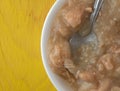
(70,66)
(77,14)
(89,9)
(64,30)
(85,86)
(107,61)
(87,76)
(60,53)
(73,17)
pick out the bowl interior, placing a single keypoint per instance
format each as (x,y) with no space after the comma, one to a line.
(58,82)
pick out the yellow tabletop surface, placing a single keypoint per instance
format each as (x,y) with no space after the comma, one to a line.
(21,67)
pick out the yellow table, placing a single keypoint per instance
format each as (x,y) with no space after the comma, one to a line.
(21,67)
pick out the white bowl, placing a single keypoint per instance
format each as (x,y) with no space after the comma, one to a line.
(58,82)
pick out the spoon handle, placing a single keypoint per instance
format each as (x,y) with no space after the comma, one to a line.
(97,7)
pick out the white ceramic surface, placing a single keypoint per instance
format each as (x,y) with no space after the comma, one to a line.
(58,82)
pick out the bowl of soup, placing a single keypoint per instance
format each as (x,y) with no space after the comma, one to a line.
(92,66)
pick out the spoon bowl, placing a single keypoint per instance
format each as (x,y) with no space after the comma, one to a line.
(87,35)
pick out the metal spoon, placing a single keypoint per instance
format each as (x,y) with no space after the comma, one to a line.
(87,34)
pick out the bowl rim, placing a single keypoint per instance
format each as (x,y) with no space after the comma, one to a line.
(42,42)
(53,10)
